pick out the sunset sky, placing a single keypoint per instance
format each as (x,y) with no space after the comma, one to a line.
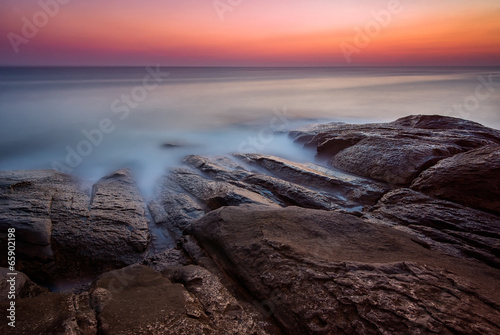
(251,33)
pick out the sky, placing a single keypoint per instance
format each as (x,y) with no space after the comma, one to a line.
(250,32)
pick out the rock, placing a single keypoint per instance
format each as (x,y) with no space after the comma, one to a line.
(471,178)
(449,227)
(23,286)
(395,161)
(279,191)
(446,122)
(167,260)
(52,313)
(177,144)
(323,272)
(215,194)
(173,211)
(334,183)
(139,300)
(26,199)
(62,232)
(395,152)
(226,313)
(295,195)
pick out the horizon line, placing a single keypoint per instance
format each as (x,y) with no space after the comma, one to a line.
(249,66)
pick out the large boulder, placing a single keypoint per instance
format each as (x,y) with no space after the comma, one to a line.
(395,161)
(395,152)
(65,230)
(321,272)
(471,178)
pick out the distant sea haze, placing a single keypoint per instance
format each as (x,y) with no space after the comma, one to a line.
(91,121)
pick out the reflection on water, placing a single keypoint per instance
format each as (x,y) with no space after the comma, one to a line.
(47,112)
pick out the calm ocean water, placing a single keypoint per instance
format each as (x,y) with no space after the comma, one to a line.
(91,121)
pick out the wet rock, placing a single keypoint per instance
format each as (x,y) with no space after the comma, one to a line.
(323,272)
(114,234)
(222,169)
(334,183)
(395,161)
(167,260)
(62,231)
(395,152)
(173,211)
(446,122)
(471,178)
(296,195)
(226,313)
(449,227)
(52,313)
(26,204)
(139,300)
(215,194)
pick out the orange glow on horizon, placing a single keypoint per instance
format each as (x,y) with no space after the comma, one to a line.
(197,37)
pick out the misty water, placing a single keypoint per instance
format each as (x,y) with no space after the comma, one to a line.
(92,121)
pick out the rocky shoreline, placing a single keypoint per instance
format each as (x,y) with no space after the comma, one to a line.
(394,230)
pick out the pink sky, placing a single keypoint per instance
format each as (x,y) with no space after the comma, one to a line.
(253,33)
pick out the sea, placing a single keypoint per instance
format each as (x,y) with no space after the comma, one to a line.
(90,121)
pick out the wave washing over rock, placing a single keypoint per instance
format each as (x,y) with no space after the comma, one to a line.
(395,229)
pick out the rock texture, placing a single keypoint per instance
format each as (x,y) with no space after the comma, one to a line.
(63,231)
(399,151)
(52,313)
(139,300)
(23,286)
(338,184)
(324,272)
(471,178)
(449,227)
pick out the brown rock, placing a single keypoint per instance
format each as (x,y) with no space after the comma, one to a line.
(395,152)
(320,272)
(52,313)
(449,227)
(226,313)
(63,232)
(139,300)
(471,178)
(23,286)
(334,183)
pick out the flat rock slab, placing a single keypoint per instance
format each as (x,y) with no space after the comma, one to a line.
(52,313)
(321,272)
(337,184)
(139,300)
